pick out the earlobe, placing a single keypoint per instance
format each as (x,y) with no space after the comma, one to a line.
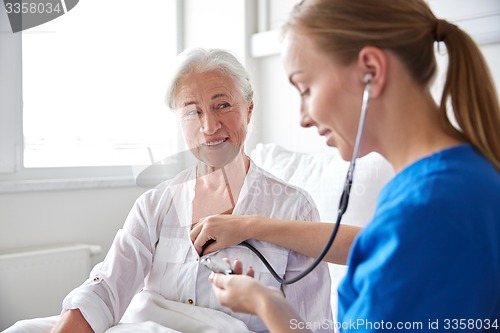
(373,61)
(249,113)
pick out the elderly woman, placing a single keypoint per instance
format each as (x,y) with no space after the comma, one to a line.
(153,258)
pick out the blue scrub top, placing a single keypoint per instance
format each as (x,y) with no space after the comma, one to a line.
(430,259)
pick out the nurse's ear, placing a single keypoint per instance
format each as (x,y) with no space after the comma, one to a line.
(373,61)
(249,113)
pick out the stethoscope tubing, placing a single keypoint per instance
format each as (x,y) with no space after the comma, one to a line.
(344,199)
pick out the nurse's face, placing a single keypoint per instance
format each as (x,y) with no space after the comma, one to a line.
(213,115)
(330,98)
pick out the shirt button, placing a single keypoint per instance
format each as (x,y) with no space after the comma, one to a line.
(190,301)
(96,279)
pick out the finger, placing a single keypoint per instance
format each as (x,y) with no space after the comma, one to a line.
(213,247)
(195,231)
(195,239)
(250,271)
(237,267)
(203,239)
(199,228)
(218,280)
(220,293)
(204,244)
(198,245)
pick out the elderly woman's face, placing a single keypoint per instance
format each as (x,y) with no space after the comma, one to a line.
(213,115)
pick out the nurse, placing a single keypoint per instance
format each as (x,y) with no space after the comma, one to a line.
(431,254)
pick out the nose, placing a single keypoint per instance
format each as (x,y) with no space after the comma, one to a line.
(210,123)
(305,119)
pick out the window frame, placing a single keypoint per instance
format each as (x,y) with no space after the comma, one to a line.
(14,177)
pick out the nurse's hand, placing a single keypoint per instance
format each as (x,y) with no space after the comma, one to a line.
(241,293)
(221,231)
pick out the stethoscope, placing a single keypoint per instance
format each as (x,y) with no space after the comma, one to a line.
(220,266)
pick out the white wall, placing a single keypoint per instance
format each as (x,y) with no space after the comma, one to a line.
(216,24)
(60,217)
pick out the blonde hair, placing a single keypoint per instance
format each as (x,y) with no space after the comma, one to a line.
(409,29)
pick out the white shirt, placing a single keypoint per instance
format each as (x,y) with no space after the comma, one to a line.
(154,252)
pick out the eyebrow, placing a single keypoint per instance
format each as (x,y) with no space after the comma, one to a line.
(290,78)
(219,95)
(213,97)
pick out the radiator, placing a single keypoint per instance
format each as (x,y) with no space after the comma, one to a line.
(34,282)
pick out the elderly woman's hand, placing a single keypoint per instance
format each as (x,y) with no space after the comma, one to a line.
(216,232)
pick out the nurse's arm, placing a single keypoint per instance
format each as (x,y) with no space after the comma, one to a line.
(307,238)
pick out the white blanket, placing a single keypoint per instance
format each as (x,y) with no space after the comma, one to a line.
(157,314)
(151,313)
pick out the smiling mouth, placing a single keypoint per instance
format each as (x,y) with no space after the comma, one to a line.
(214,143)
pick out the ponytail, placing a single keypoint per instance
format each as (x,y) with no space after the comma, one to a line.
(470,88)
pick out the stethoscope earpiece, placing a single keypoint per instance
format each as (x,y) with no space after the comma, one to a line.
(368,77)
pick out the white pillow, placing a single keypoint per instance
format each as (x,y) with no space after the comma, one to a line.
(323,177)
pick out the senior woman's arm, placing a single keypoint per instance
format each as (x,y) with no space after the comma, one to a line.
(307,238)
(72,321)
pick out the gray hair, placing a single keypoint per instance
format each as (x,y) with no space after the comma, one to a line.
(203,60)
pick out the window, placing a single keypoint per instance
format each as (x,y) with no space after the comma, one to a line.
(93,87)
